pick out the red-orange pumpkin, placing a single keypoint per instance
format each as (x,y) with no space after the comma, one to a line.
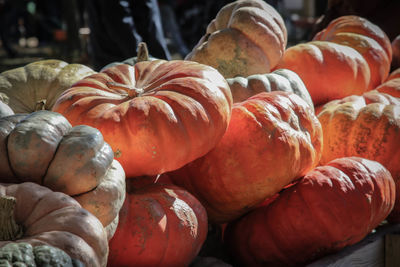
(160,225)
(333,206)
(366,126)
(396,52)
(273,138)
(329,70)
(157,115)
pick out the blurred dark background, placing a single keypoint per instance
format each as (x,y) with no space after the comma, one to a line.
(40,29)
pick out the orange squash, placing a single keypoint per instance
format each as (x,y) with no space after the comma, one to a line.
(272,139)
(329,70)
(331,207)
(366,126)
(156,115)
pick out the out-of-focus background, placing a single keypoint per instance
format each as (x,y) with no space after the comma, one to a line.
(32,30)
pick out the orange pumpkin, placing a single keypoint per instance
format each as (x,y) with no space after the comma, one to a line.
(331,207)
(36,215)
(358,25)
(392,85)
(156,115)
(374,54)
(396,52)
(246,37)
(273,138)
(329,70)
(367,126)
(160,225)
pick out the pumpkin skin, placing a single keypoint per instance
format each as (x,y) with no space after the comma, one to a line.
(38,85)
(280,80)
(329,70)
(366,126)
(392,85)
(5,109)
(160,225)
(333,206)
(374,54)
(23,253)
(55,219)
(157,115)
(358,25)
(42,147)
(246,37)
(267,133)
(396,52)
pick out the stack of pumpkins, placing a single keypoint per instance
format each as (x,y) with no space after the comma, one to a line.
(292,152)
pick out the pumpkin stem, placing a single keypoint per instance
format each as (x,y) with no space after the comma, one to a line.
(130,90)
(142,53)
(40,105)
(9,229)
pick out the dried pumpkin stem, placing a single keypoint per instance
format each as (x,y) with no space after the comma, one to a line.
(40,105)
(130,90)
(9,229)
(142,52)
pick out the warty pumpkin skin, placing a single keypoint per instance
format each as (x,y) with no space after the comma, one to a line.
(160,225)
(42,147)
(366,126)
(38,85)
(331,207)
(157,115)
(358,25)
(329,70)
(24,254)
(40,216)
(373,53)
(279,80)
(267,133)
(246,37)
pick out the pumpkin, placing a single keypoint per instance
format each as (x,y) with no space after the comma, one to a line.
(24,254)
(374,54)
(142,55)
(331,207)
(267,133)
(329,70)
(366,126)
(157,115)
(246,37)
(392,85)
(279,80)
(358,25)
(396,52)
(160,225)
(37,85)
(36,215)
(42,147)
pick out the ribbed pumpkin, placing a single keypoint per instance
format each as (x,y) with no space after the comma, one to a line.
(34,214)
(331,207)
(160,225)
(273,138)
(396,52)
(38,85)
(367,126)
(157,115)
(373,53)
(44,148)
(359,25)
(392,84)
(329,70)
(246,37)
(279,80)
(5,109)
